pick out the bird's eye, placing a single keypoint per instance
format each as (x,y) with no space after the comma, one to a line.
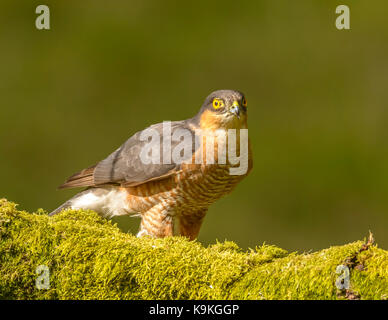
(217,103)
(244,102)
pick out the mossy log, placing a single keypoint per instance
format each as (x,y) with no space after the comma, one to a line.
(90,258)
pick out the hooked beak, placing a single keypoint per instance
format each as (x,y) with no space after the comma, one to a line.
(235,109)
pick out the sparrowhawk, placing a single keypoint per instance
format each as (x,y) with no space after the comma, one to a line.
(170,196)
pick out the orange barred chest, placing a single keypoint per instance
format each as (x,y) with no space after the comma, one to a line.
(192,189)
(202,188)
(188,191)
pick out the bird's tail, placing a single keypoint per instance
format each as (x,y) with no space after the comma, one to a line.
(68,203)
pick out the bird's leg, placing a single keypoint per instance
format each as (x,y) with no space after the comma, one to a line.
(156,223)
(189,225)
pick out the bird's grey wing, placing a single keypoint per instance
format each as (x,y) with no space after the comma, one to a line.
(126,166)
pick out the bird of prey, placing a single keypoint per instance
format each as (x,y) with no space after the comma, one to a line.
(172,195)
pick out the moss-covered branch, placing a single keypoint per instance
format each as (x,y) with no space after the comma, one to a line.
(89,258)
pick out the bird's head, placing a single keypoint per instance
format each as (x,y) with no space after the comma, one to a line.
(223,109)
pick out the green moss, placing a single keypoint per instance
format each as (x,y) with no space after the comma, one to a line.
(89,258)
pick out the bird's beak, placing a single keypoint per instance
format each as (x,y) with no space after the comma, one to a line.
(235,109)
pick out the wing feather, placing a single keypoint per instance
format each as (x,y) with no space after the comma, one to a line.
(124,165)
(84,178)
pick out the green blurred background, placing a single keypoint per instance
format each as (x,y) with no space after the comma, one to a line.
(317,99)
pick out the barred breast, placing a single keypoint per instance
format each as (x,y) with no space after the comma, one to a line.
(184,196)
(195,187)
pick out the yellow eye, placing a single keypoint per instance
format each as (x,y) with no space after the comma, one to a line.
(217,103)
(244,102)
